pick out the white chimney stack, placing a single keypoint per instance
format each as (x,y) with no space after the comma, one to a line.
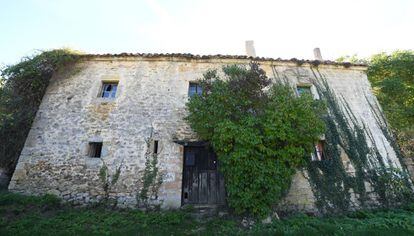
(317,54)
(250,51)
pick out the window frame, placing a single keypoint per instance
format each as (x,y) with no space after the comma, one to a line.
(312,89)
(95,149)
(304,86)
(197,87)
(112,93)
(318,153)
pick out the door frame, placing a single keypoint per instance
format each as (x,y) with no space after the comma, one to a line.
(200,144)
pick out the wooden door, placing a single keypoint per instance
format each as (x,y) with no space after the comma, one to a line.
(202,183)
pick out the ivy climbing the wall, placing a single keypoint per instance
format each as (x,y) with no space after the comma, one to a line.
(21,92)
(371,181)
(108,182)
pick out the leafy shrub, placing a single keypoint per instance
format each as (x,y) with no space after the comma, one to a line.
(260,131)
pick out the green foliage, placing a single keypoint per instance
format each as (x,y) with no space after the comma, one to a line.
(392,186)
(151,178)
(48,200)
(108,182)
(103,176)
(392,78)
(23,215)
(261,133)
(352,59)
(21,92)
(395,222)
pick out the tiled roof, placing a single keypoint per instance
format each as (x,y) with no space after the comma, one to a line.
(218,56)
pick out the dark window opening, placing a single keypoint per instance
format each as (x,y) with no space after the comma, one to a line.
(318,154)
(109,89)
(194,88)
(155,146)
(303,90)
(95,149)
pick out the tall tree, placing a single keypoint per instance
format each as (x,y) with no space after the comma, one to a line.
(392,78)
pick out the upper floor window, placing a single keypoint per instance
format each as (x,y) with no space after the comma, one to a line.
(303,89)
(194,88)
(109,89)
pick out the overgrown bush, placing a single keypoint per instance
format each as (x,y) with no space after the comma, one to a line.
(22,90)
(261,131)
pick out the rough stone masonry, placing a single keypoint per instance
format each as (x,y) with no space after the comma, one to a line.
(152,91)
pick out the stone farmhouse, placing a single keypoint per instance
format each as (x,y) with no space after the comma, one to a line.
(112,127)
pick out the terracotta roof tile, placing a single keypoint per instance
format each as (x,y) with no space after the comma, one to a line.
(219,56)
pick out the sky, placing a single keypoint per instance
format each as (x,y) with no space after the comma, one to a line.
(285,29)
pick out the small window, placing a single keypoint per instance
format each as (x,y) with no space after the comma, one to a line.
(109,89)
(194,88)
(95,149)
(318,154)
(304,89)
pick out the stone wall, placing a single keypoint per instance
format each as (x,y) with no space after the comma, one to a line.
(150,101)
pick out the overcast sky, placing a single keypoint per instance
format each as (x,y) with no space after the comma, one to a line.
(286,29)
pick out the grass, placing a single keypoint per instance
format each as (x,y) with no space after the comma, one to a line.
(22,215)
